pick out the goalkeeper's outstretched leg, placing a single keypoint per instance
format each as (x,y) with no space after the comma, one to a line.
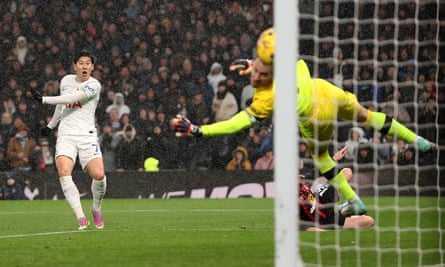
(389,126)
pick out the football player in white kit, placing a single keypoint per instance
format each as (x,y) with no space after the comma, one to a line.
(77,136)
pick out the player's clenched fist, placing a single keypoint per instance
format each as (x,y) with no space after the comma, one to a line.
(243,66)
(183,127)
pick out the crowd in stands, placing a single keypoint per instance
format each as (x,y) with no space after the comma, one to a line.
(159,58)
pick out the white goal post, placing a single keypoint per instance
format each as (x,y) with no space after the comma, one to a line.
(285,135)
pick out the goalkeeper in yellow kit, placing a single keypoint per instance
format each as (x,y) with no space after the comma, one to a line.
(320,104)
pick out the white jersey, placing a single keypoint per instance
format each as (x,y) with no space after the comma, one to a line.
(79,118)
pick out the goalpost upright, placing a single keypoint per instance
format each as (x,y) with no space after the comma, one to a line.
(285,135)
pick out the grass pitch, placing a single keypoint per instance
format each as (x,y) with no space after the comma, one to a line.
(209,232)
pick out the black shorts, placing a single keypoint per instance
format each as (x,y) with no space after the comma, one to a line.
(321,212)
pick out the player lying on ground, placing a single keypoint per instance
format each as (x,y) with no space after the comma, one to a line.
(317,202)
(320,104)
(318,199)
(77,136)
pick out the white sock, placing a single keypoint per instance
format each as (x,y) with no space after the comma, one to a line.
(98,188)
(72,195)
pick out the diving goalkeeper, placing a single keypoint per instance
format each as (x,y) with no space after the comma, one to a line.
(319,105)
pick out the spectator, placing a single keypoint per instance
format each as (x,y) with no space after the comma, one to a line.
(240,160)
(187,75)
(129,93)
(397,149)
(106,99)
(28,116)
(181,106)
(4,161)
(129,151)
(394,109)
(215,76)
(246,46)
(252,142)
(133,9)
(383,149)
(155,83)
(356,137)
(428,117)
(21,49)
(125,119)
(119,104)
(114,120)
(161,120)
(9,106)
(203,63)
(164,76)
(266,162)
(11,190)
(267,135)
(141,103)
(19,96)
(158,145)
(364,153)
(8,91)
(142,124)
(197,109)
(152,99)
(406,157)
(6,129)
(169,97)
(108,141)
(42,157)
(246,96)
(224,103)
(429,91)
(19,148)
(203,85)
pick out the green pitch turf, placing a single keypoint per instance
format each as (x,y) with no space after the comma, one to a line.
(225,232)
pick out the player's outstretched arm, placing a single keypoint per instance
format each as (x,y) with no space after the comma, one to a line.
(240,121)
(61,99)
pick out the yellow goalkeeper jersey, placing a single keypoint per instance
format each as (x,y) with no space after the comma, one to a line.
(319,104)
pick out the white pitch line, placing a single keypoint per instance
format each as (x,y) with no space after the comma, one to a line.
(191,210)
(41,234)
(241,229)
(140,211)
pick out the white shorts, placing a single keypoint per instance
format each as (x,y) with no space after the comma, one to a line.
(86,147)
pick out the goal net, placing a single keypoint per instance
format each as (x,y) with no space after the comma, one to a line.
(390,54)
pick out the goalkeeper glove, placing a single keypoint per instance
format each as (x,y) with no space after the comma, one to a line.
(243,66)
(36,95)
(183,127)
(45,131)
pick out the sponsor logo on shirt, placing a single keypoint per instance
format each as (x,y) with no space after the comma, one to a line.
(74,105)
